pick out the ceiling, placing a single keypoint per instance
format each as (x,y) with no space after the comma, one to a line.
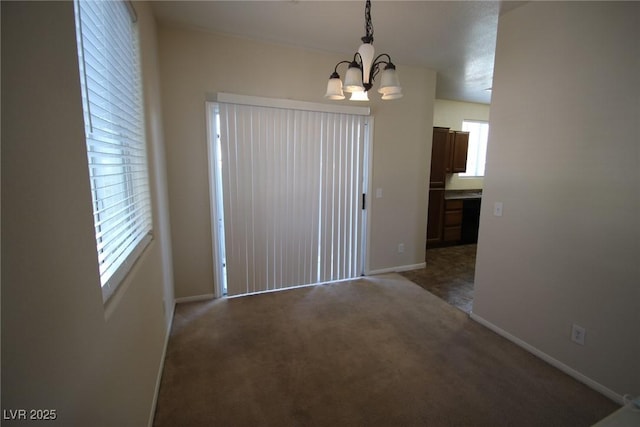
(455,38)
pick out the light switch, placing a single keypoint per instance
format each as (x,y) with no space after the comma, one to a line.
(378,193)
(497,209)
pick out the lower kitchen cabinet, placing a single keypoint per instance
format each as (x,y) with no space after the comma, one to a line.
(435,216)
(452,221)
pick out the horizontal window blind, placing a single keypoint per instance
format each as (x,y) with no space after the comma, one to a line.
(292,183)
(116,152)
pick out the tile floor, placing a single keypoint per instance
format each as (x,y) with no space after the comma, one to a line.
(448,274)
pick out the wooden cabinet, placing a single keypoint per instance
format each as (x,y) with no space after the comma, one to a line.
(448,155)
(452,221)
(459,148)
(435,216)
(440,153)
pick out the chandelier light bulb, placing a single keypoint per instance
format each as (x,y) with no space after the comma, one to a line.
(359,96)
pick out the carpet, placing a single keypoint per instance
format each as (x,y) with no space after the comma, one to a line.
(378,351)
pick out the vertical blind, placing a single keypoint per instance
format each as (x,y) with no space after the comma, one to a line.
(112,101)
(292,185)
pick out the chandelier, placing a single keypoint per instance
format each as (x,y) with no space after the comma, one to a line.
(363,69)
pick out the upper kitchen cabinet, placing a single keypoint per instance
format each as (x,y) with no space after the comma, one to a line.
(448,154)
(440,153)
(456,159)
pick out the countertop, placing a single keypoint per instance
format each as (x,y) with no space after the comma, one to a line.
(462,194)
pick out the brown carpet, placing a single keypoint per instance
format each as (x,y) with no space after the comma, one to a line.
(448,274)
(379,351)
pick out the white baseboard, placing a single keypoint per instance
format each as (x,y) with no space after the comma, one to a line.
(194,298)
(550,360)
(397,269)
(154,403)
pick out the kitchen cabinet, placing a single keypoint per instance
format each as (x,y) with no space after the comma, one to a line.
(456,152)
(440,153)
(435,216)
(448,155)
(452,220)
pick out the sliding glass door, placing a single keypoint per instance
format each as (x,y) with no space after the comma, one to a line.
(292,184)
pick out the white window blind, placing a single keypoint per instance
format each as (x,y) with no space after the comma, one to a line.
(112,101)
(292,183)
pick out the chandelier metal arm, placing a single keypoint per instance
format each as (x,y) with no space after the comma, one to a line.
(375,67)
(335,74)
(375,61)
(357,59)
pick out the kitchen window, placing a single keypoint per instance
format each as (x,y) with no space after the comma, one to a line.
(477,152)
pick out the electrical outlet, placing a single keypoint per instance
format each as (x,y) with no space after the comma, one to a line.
(577,334)
(401,248)
(378,193)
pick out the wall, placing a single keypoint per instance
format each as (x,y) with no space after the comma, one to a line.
(564,158)
(451,114)
(195,65)
(61,348)
(158,162)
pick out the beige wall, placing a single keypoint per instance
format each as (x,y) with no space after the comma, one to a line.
(60,348)
(451,114)
(564,159)
(158,162)
(195,65)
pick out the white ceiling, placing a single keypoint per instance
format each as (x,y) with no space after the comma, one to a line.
(455,38)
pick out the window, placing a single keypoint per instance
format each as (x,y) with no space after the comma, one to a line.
(477,154)
(112,102)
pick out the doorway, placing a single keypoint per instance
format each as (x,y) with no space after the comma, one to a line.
(454,203)
(287,196)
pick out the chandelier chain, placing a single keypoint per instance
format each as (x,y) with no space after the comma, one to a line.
(368,25)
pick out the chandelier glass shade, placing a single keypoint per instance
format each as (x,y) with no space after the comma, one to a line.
(363,69)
